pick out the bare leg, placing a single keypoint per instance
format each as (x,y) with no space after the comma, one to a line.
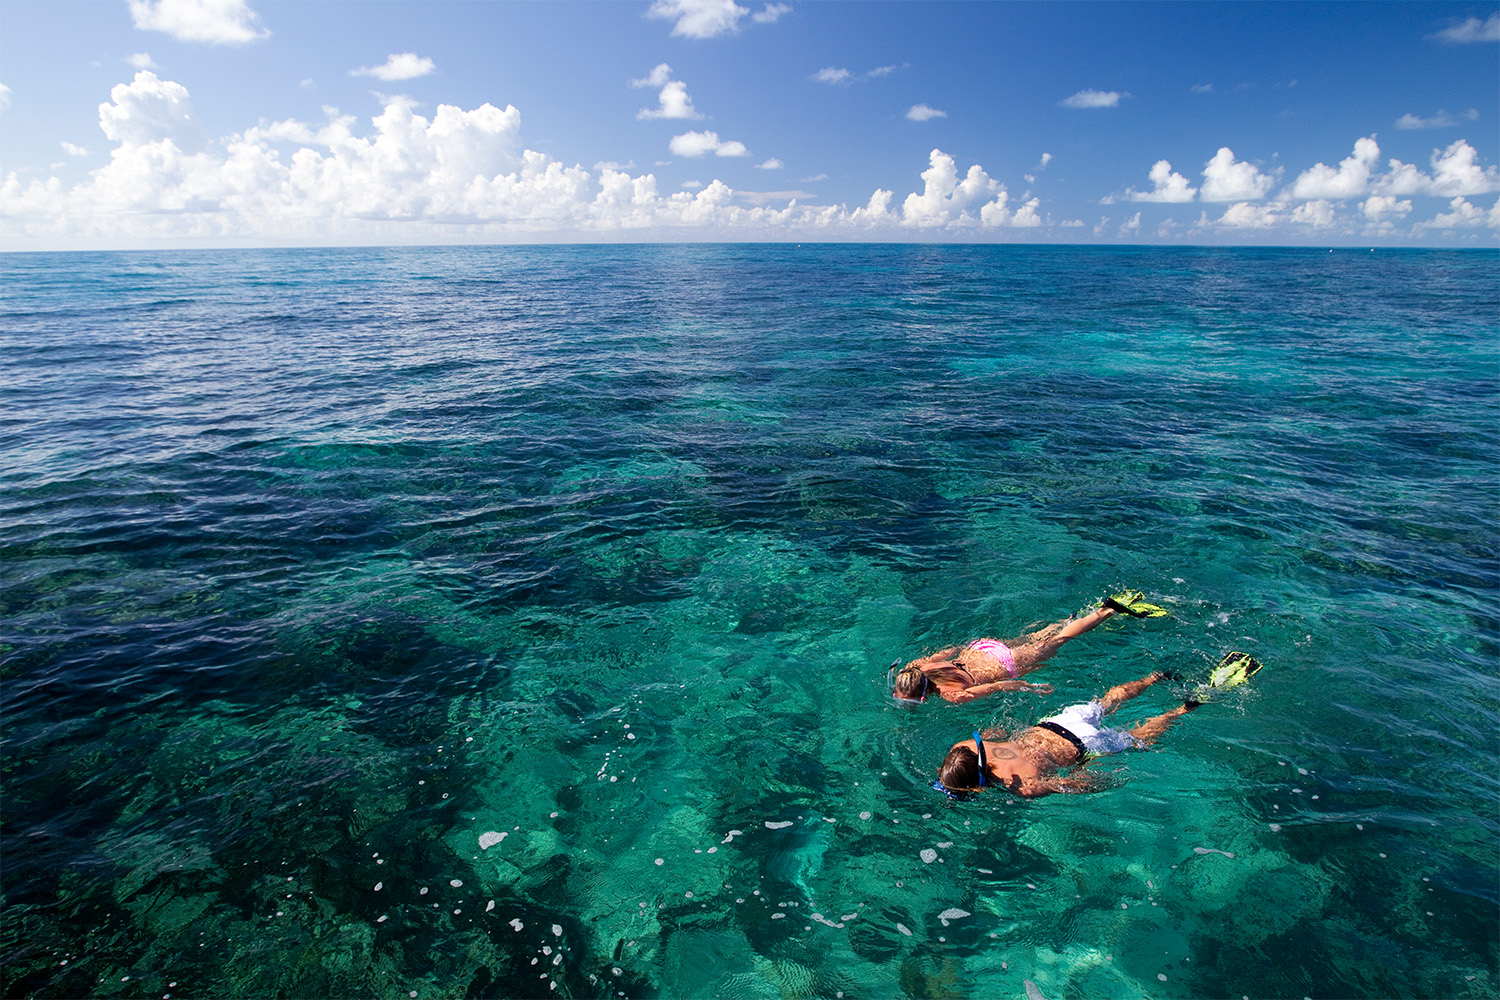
(1148,731)
(1121,693)
(1038,647)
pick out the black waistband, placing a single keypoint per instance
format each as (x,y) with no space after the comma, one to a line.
(1053,727)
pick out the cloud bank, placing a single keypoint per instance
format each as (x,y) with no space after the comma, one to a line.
(1384,195)
(461,175)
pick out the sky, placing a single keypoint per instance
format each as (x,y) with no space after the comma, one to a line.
(169,123)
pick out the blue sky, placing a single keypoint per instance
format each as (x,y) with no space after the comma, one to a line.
(250,122)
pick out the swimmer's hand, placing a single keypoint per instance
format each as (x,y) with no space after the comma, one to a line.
(1038,688)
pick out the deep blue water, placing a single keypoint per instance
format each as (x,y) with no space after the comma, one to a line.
(323,569)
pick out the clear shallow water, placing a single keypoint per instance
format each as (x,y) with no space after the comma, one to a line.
(324,569)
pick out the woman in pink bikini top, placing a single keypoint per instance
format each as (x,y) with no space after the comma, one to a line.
(985,666)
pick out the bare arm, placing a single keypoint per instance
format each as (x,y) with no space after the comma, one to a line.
(980,690)
(1073,784)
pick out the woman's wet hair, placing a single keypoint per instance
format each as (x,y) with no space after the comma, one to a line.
(960,769)
(911,684)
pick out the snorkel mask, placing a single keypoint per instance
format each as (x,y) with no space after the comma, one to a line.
(890,679)
(965,796)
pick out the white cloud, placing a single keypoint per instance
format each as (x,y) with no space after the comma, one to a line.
(1440,120)
(947,198)
(1318,213)
(1247,216)
(73,149)
(463,175)
(1471,30)
(1169,187)
(658,77)
(1046,159)
(839,75)
(398,66)
(218,22)
(672,102)
(1093,99)
(1455,172)
(922,113)
(149,110)
(141,60)
(1350,180)
(4,97)
(699,18)
(1203,88)
(703,143)
(1464,215)
(1379,207)
(771,13)
(1224,179)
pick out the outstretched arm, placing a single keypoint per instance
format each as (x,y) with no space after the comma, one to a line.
(980,690)
(1073,784)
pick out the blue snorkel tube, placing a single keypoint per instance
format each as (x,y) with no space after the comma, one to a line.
(983,781)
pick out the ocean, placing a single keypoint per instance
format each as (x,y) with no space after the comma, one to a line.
(515,621)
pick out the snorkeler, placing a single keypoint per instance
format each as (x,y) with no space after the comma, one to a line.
(1028,764)
(985,666)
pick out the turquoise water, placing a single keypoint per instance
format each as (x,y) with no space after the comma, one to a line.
(512,622)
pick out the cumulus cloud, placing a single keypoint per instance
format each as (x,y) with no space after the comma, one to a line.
(398,66)
(141,60)
(1225,179)
(1456,172)
(4,97)
(1094,99)
(922,113)
(217,22)
(1169,187)
(658,77)
(73,149)
(1470,31)
(1380,207)
(458,174)
(949,200)
(832,74)
(1318,213)
(694,144)
(463,175)
(672,101)
(1440,120)
(149,110)
(1464,215)
(1350,180)
(771,164)
(1247,216)
(700,18)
